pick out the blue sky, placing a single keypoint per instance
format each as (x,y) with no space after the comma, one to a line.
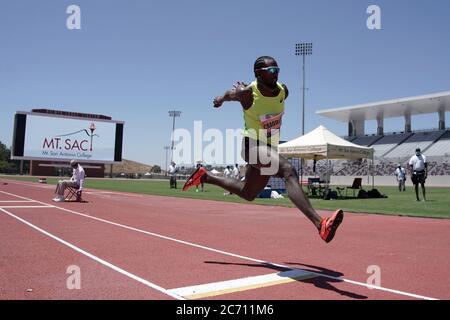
(135,60)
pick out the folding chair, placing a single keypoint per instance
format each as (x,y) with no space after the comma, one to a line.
(73,194)
(357,185)
(313,186)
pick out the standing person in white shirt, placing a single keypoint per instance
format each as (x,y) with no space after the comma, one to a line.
(173,169)
(418,167)
(227,172)
(236,173)
(400,174)
(76,181)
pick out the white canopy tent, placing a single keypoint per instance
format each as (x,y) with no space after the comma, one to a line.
(320,144)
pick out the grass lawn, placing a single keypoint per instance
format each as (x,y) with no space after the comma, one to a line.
(397,203)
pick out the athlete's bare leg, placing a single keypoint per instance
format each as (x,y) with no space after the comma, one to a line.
(255,181)
(248,189)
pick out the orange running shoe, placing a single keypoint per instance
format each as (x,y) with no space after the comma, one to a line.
(195,178)
(328,226)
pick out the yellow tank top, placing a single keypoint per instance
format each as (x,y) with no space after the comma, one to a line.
(263,118)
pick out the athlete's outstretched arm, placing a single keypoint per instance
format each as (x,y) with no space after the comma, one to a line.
(240,92)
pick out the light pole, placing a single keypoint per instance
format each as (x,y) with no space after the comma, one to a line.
(303,49)
(173,114)
(167,148)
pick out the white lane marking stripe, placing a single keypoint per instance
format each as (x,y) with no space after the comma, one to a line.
(236,284)
(96,192)
(15,195)
(236,255)
(30,184)
(93,257)
(14,201)
(26,207)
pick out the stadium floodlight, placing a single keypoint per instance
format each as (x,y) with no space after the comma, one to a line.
(173,114)
(303,50)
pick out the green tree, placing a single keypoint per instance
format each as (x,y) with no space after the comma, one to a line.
(6,164)
(156,169)
(5,153)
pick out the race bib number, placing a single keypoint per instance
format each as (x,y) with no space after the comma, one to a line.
(271,123)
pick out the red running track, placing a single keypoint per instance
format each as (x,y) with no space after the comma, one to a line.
(130,246)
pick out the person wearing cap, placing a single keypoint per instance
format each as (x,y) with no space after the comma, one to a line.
(400,174)
(76,181)
(173,169)
(418,167)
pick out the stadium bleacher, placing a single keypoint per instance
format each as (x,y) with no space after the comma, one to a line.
(387,143)
(441,147)
(420,140)
(439,169)
(366,140)
(390,150)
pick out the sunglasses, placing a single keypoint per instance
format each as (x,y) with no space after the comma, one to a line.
(272,70)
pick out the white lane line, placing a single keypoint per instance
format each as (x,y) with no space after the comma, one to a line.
(236,255)
(243,284)
(14,201)
(93,257)
(20,197)
(31,184)
(97,192)
(26,207)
